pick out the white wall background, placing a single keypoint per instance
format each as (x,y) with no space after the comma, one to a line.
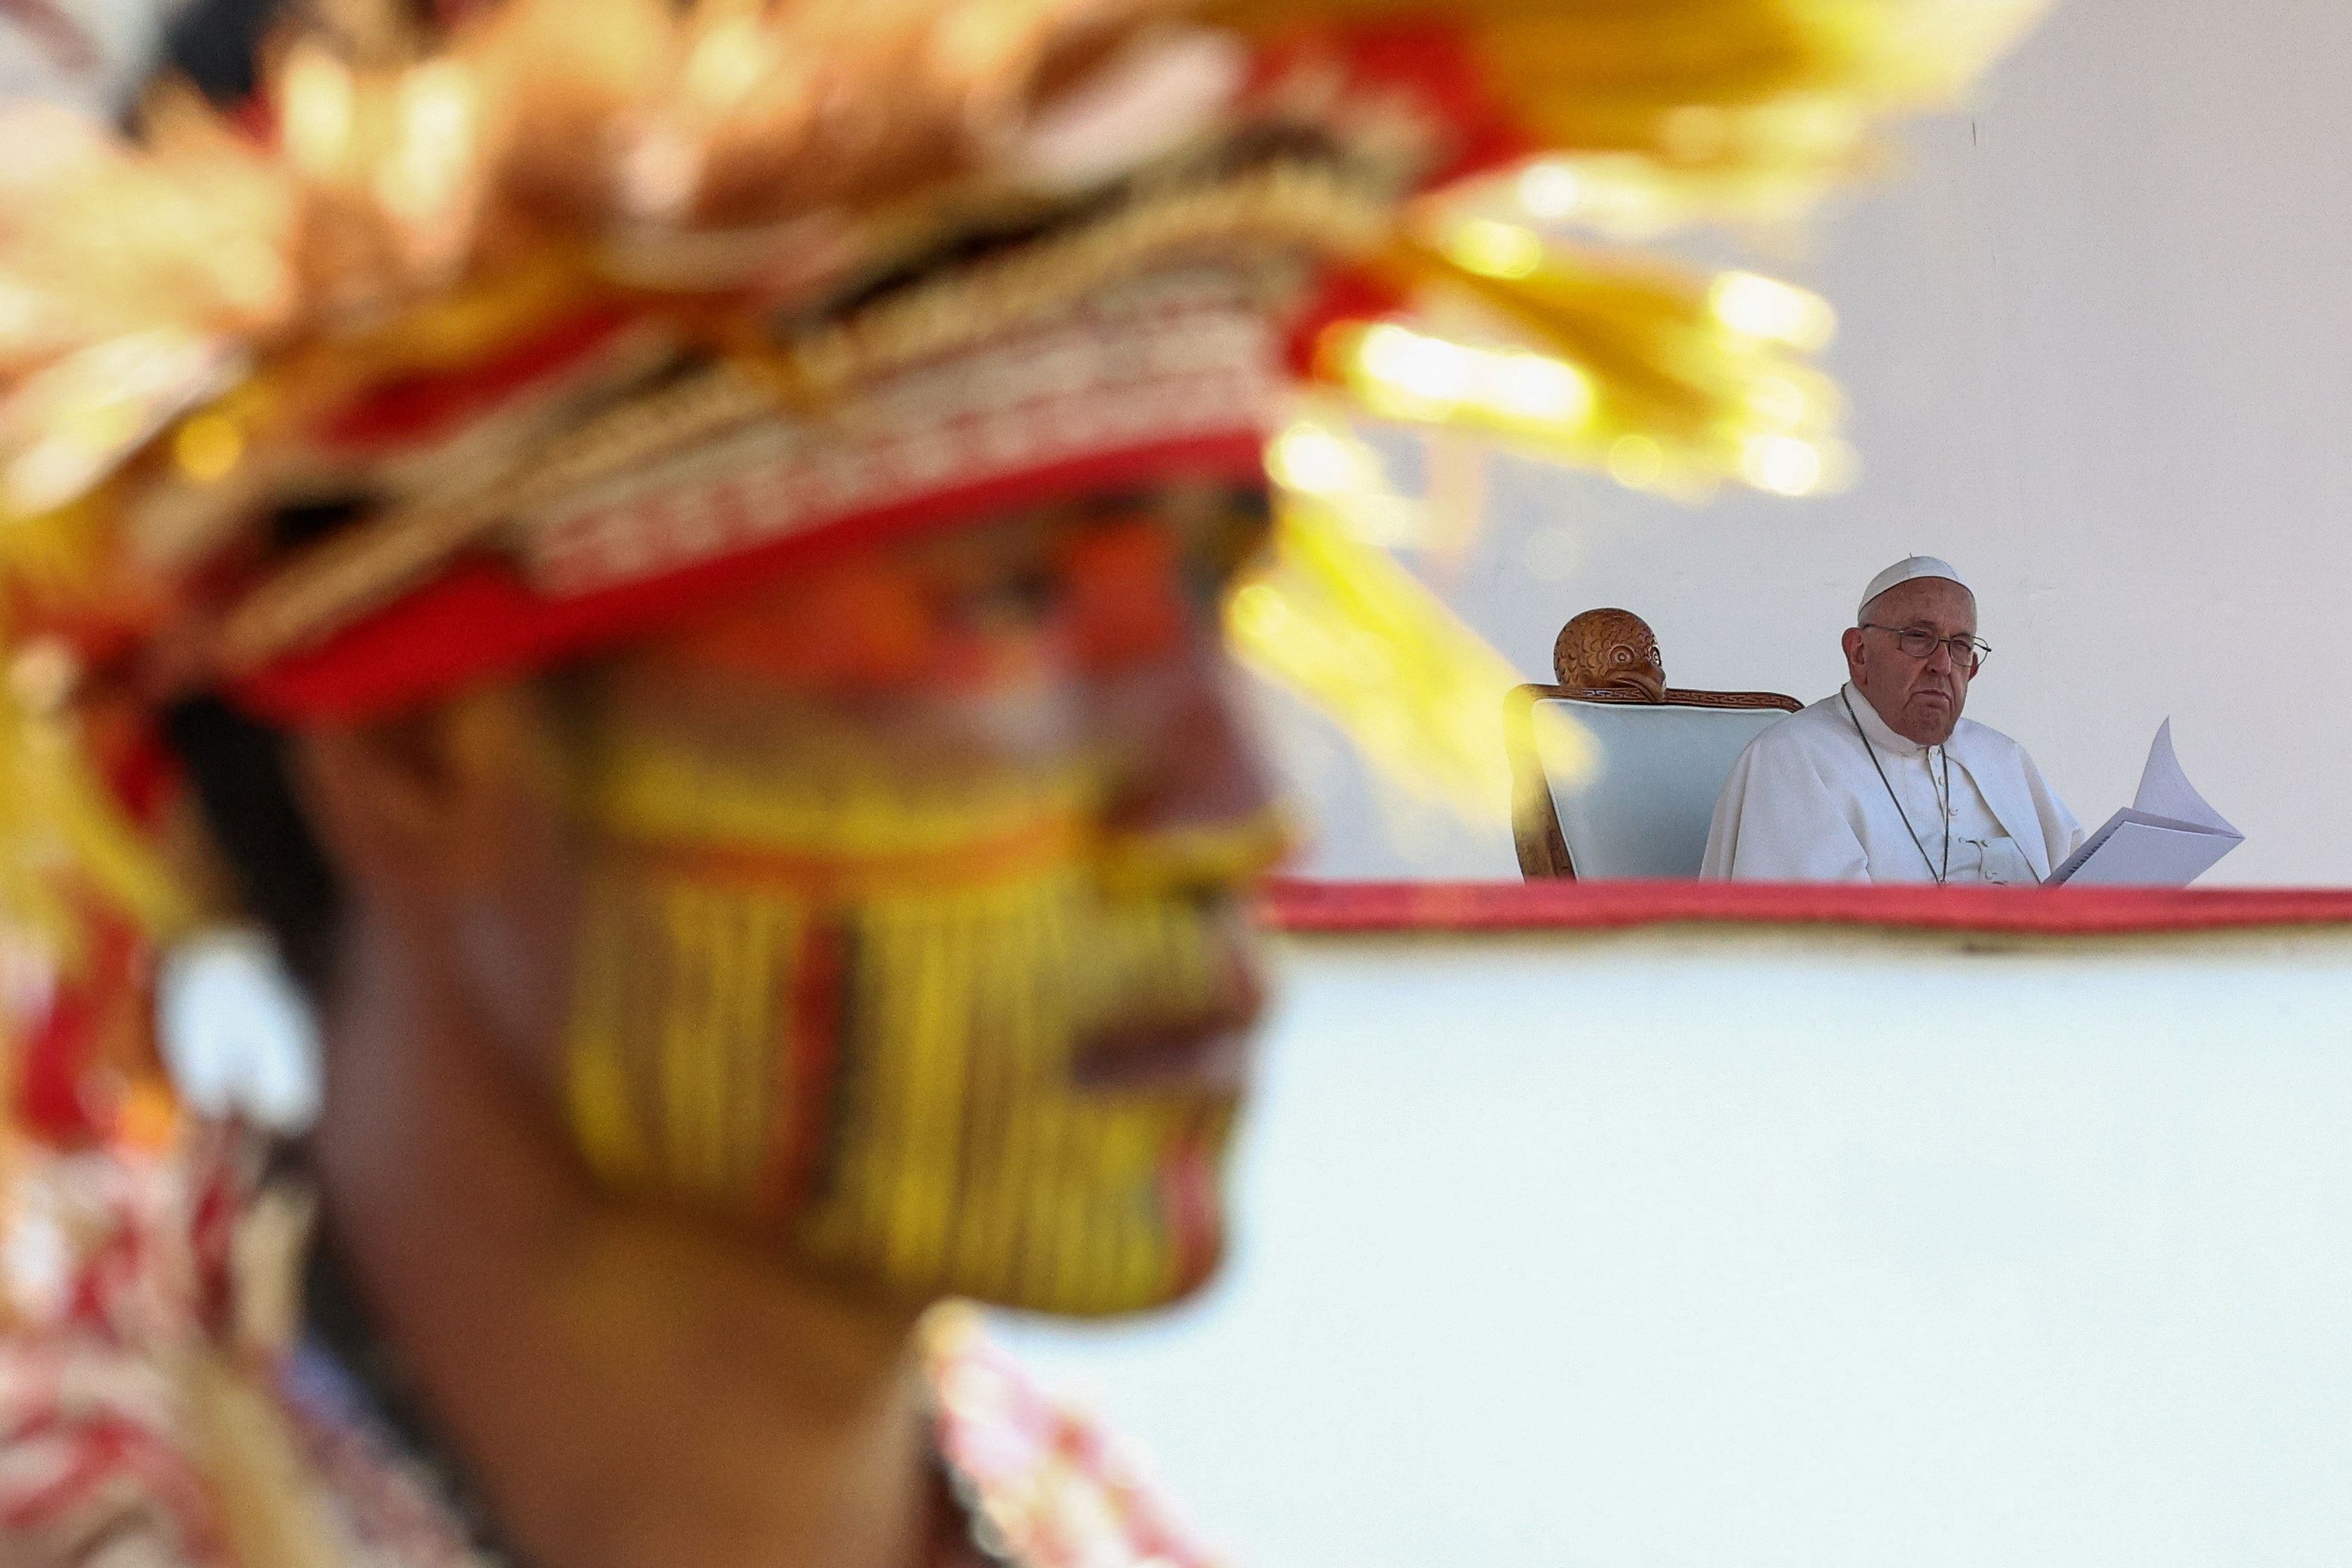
(2098,336)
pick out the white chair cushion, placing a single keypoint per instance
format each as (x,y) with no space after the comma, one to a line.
(1640,802)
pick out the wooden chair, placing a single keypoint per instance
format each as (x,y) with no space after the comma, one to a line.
(1614,772)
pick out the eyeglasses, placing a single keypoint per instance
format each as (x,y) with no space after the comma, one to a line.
(1967,653)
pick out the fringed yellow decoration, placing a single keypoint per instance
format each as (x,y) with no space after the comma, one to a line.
(1668,379)
(61,838)
(1631,197)
(63,842)
(1339,622)
(1751,90)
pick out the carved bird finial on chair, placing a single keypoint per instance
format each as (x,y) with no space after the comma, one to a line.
(1609,650)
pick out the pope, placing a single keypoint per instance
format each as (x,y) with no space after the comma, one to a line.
(1884,780)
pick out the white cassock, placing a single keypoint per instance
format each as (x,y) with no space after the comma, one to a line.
(1804,804)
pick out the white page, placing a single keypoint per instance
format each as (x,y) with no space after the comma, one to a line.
(2146,855)
(2168,838)
(2165,790)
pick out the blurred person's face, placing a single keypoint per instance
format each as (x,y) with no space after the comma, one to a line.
(893,915)
(1919,698)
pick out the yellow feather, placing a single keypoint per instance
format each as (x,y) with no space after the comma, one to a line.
(1572,352)
(1341,624)
(1727,84)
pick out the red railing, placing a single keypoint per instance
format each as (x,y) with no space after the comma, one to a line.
(1370,907)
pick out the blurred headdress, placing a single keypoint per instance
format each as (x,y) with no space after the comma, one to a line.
(474,345)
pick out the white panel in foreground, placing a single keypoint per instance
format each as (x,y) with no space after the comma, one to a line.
(1753,1251)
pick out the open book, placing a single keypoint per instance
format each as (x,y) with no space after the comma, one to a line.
(2167,837)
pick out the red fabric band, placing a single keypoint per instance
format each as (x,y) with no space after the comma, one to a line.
(482,621)
(1564,905)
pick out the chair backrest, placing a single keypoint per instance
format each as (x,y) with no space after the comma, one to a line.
(1614,772)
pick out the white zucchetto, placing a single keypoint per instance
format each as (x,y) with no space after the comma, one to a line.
(1904,571)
